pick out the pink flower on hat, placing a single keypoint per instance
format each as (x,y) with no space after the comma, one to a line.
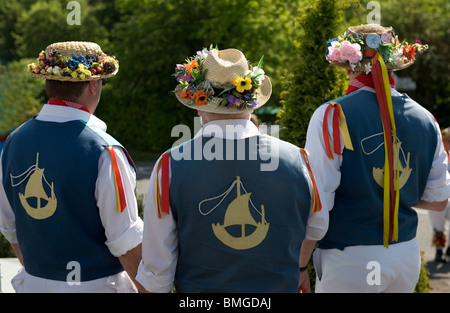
(334,53)
(350,52)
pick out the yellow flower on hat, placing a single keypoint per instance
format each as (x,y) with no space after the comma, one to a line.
(243,84)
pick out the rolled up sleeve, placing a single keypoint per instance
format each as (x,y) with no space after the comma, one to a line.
(123,230)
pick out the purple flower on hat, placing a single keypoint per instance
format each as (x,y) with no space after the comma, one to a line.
(232,100)
(187,78)
(252,104)
(202,54)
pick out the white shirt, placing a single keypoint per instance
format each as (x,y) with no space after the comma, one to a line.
(123,230)
(328,171)
(160,243)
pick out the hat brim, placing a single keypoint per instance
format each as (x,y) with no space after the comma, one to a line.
(263,94)
(361,68)
(74,79)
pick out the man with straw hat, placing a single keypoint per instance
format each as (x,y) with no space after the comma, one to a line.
(67,202)
(228,210)
(378,154)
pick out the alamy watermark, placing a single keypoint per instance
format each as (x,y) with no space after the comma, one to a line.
(373,278)
(374,16)
(74,16)
(74,276)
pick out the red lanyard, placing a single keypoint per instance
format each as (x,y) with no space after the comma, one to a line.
(68,104)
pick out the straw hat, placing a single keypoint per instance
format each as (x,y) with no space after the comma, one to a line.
(222,81)
(74,61)
(355,49)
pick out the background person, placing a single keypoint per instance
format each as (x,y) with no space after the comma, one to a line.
(439,220)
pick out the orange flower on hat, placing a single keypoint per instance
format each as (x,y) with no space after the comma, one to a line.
(192,65)
(409,52)
(185,94)
(201,98)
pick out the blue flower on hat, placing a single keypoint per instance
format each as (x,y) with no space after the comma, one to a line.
(75,61)
(330,41)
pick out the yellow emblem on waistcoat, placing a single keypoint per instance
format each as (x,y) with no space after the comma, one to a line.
(35,200)
(238,214)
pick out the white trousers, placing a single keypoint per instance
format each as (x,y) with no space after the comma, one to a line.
(26,283)
(439,219)
(364,269)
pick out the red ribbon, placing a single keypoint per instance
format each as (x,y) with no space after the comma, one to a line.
(382,103)
(118,184)
(165,199)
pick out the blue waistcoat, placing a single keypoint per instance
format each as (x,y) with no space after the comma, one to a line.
(49,175)
(240,229)
(357,215)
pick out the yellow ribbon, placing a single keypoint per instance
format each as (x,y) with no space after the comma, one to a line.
(344,128)
(387,170)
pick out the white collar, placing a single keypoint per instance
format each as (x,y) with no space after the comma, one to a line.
(232,129)
(62,114)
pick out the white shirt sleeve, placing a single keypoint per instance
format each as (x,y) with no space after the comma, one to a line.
(156,272)
(438,184)
(327,172)
(317,224)
(123,230)
(7,217)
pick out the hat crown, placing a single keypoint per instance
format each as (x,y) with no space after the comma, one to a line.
(370,29)
(75,47)
(222,67)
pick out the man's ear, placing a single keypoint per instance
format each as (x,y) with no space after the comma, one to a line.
(93,87)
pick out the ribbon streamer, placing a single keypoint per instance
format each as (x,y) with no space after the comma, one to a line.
(391,189)
(162,199)
(118,184)
(317,204)
(339,126)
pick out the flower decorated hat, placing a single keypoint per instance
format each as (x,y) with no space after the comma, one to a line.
(355,49)
(222,81)
(74,61)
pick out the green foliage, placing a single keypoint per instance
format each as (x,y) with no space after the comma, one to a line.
(149,37)
(153,36)
(6,250)
(311,80)
(21,96)
(423,285)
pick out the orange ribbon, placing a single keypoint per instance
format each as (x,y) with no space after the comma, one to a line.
(339,126)
(317,204)
(121,201)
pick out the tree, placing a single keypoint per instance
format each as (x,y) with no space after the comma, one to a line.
(21,96)
(154,35)
(311,80)
(45,22)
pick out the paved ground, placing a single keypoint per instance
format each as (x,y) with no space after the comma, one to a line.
(439,273)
